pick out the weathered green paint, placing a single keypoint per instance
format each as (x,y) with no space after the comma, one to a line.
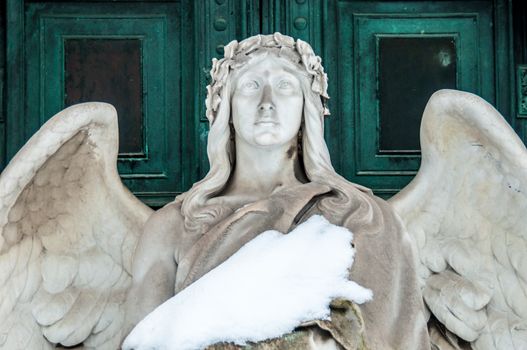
(352,47)
(14,77)
(2,89)
(519,37)
(154,175)
(504,59)
(521,80)
(179,38)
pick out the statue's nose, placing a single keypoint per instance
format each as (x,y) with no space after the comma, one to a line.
(266,101)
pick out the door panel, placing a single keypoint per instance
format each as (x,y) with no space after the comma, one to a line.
(405,62)
(127,55)
(390,57)
(109,70)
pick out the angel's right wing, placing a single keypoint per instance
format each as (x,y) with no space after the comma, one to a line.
(467,211)
(68,231)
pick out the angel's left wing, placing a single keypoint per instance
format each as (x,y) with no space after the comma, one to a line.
(68,231)
(467,211)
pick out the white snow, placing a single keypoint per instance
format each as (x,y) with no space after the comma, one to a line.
(270,286)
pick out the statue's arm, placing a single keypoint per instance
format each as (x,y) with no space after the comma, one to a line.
(154,266)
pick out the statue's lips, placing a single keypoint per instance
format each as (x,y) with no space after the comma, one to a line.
(266,123)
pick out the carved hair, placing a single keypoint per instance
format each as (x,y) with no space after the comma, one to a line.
(198,212)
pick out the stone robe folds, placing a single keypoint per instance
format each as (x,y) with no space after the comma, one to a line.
(384,262)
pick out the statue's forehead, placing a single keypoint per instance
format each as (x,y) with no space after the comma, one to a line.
(268,66)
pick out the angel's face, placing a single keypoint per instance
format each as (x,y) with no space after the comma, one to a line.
(267,104)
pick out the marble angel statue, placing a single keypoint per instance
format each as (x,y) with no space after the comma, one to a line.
(82,260)
(465,209)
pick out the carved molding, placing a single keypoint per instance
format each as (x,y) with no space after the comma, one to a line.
(521,90)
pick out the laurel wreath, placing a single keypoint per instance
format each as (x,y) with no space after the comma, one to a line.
(237,54)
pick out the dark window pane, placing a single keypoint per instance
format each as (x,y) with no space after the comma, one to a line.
(410,70)
(108,70)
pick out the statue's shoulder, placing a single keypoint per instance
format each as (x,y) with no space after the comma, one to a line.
(167,216)
(163,228)
(378,229)
(369,214)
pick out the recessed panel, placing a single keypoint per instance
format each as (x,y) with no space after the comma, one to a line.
(128,54)
(108,70)
(522,90)
(382,53)
(411,69)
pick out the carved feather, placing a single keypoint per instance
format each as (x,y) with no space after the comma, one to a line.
(467,208)
(68,229)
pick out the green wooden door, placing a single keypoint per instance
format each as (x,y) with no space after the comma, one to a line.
(127,54)
(151,60)
(390,57)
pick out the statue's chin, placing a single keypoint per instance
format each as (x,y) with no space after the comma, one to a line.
(271,137)
(267,139)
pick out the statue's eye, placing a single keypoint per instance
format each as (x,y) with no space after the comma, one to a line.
(250,85)
(285,84)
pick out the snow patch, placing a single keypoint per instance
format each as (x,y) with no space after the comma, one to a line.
(271,285)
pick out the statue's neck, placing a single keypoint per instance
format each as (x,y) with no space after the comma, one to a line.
(259,171)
